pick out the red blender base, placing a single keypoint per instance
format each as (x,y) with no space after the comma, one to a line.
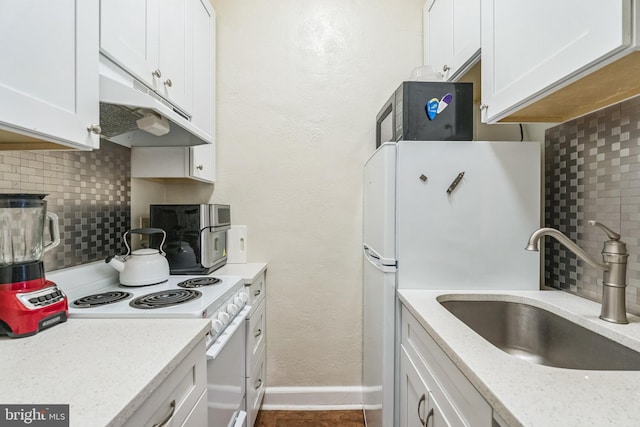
(30,306)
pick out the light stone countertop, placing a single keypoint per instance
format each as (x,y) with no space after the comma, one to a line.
(524,393)
(249,271)
(104,369)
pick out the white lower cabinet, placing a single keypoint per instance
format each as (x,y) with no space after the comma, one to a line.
(418,408)
(199,414)
(181,399)
(255,389)
(433,391)
(256,347)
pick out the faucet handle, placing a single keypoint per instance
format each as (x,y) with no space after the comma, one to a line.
(610,233)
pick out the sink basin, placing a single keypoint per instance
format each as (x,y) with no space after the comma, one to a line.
(542,337)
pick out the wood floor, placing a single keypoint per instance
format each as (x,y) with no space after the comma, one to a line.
(310,419)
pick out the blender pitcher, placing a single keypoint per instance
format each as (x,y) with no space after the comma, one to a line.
(22,226)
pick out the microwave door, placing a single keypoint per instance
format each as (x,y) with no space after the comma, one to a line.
(385,123)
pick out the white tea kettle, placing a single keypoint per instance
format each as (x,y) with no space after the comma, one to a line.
(142,267)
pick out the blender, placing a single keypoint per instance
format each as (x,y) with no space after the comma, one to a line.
(28,302)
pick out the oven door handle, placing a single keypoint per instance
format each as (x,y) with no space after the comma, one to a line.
(214,350)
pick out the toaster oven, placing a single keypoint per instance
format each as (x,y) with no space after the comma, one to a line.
(196,235)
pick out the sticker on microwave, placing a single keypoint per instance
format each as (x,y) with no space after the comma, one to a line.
(436,106)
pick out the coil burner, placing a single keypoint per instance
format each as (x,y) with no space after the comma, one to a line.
(166,298)
(104,298)
(199,282)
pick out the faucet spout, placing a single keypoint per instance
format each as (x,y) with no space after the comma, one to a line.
(532,245)
(614,267)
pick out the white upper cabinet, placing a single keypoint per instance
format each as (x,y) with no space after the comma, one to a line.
(49,78)
(152,41)
(451,36)
(204,65)
(197,163)
(175,52)
(533,49)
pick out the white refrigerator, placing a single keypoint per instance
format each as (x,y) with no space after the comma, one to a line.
(441,215)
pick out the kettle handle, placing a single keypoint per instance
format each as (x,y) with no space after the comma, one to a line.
(146,231)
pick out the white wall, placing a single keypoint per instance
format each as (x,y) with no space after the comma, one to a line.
(299,84)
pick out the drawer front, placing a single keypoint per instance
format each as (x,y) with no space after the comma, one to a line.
(177,395)
(256,332)
(257,290)
(256,385)
(453,391)
(198,416)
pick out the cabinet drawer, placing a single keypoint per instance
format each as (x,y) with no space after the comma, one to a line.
(257,290)
(199,415)
(255,389)
(177,394)
(443,376)
(256,331)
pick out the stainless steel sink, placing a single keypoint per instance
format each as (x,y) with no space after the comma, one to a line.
(542,337)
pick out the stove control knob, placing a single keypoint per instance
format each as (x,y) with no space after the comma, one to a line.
(233,309)
(223,317)
(239,301)
(244,297)
(217,325)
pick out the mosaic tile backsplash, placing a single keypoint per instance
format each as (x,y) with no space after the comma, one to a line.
(90,191)
(592,171)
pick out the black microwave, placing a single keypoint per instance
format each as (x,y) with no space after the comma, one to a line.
(427,111)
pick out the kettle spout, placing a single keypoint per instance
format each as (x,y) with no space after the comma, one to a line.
(115,263)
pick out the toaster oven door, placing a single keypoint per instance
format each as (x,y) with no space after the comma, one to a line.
(214,247)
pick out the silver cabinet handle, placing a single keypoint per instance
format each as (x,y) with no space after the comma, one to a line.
(258,383)
(168,83)
(483,107)
(169,415)
(199,167)
(422,400)
(157,73)
(446,68)
(429,415)
(257,292)
(257,333)
(95,129)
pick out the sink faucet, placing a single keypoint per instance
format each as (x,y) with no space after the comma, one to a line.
(614,267)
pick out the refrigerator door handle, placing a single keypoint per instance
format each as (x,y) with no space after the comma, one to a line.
(370,253)
(377,261)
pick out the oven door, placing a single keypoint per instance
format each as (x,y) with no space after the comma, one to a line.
(226,375)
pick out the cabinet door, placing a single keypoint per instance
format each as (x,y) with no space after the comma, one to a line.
(49,80)
(204,66)
(529,49)
(417,407)
(451,35)
(202,165)
(175,52)
(128,36)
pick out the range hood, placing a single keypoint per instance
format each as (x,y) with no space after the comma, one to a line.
(124,101)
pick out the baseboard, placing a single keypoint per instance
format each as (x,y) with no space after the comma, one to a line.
(312,398)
